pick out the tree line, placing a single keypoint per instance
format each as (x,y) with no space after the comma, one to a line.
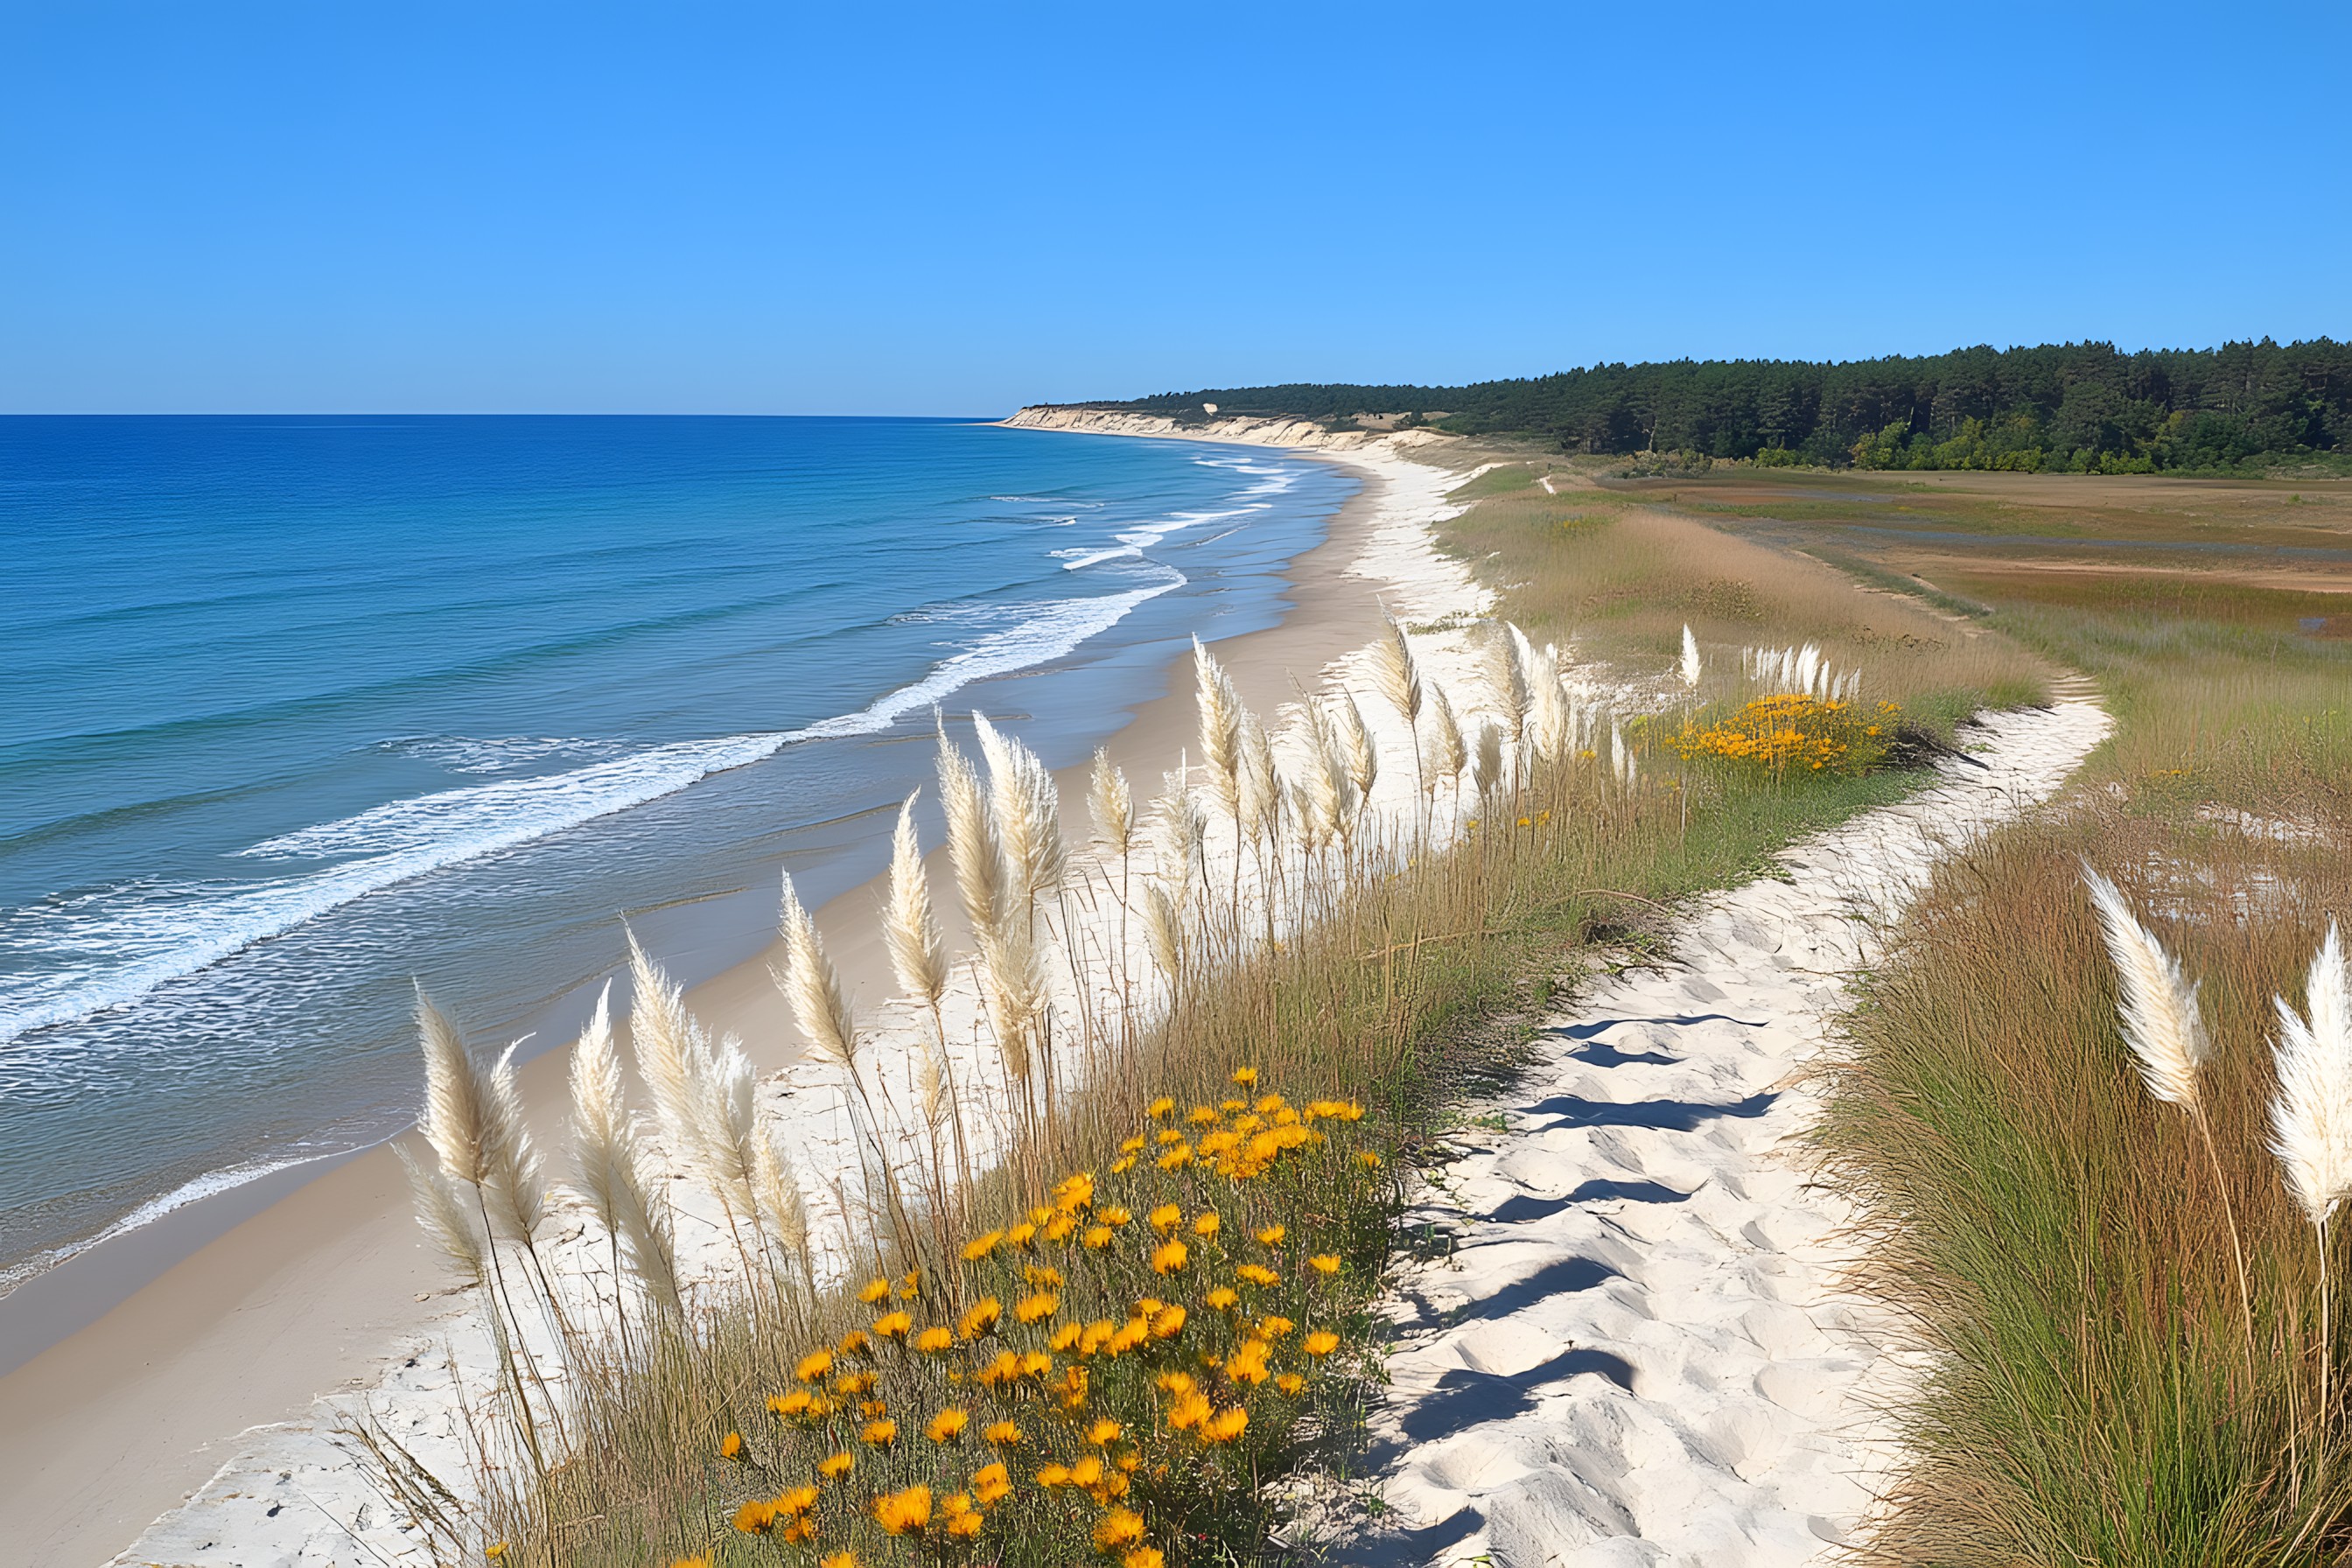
(2058,407)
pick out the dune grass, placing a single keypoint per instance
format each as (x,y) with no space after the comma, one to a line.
(1155,1396)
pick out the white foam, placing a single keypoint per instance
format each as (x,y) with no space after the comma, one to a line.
(135,939)
(210,1184)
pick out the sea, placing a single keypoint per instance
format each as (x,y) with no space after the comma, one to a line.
(298,715)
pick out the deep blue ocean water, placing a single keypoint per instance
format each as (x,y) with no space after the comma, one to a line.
(298,713)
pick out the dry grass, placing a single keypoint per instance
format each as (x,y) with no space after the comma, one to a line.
(1621,579)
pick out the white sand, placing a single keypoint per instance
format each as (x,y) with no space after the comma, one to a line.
(1638,1352)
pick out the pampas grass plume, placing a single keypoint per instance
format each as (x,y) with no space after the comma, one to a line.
(1453,755)
(813,986)
(972,836)
(1486,765)
(2160,1017)
(1221,732)
(1690,669)
(444,1216)
(1111,802)
(1363,762)
(1394,665)
(917,949)
(2311,1116)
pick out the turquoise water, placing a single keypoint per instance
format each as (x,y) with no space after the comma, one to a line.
(298,713)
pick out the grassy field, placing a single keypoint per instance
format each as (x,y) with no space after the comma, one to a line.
(2106,1392)
(716,1435)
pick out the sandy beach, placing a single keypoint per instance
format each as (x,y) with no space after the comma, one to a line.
(222,1327)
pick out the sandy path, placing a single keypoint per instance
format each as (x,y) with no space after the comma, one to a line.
(1637,1351)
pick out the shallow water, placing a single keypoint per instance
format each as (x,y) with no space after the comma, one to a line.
(298,713)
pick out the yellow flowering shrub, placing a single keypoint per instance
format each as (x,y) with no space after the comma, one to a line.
(1793,733)
(1085,1387)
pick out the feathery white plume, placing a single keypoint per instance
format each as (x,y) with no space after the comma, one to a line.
(1112,803)
(813,985)
(1449,754)
(1690,670)
(919,953)
(1221,731)
(1507,673)
(2311,1117)
(972,836)
(2158,1005)
(1394,666)
(1487,767)
(1363,760)
(444,1218)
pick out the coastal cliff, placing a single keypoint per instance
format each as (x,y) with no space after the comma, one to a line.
(1245,431)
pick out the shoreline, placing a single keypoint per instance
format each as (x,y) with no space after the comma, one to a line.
(317,1290)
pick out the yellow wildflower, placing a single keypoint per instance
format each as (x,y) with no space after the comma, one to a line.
(881,1433)
(1167,1322)
(899,1512)
(992,1484)
(814,1365)
(982,1318)
(1167,1257)
(1224,1425)
(840,1559)
(755,1517)
(1003,1435)
(1105,1431)
(893,1326)
(981,1247)
(731,1447)
(1322,1342)
(1143,1557)
(875,1291)
(1221,1298)
(1290,1382)
(1119,1529)
(833,1467)
(934,1342)
(1206,1226)
(1096,1237)
(1257,1274)
(1272,1235)
(1034,1308)
(947,1426)
(1323,1263)
(1161,1107)
(1246,1076)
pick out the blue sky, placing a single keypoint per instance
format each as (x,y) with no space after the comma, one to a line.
(782,209)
